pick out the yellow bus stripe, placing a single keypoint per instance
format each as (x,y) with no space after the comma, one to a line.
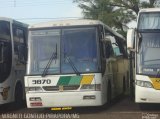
(156,83)
(87,79)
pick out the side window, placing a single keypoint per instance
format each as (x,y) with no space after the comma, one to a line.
(109,50)
(116,50)
(5,30)
(116,47)
(19,44)
(108,45)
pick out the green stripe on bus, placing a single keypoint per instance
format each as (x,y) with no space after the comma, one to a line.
(69,80)
(75,80)
(64,80)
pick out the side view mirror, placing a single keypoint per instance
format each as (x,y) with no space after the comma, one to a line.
(130,39)
(106,39)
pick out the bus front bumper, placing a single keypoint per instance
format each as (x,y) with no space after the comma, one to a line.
(64,99)
(146,95)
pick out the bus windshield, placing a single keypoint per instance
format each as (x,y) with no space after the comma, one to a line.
(74,49)
(44,43)
(148,62)
(148,21)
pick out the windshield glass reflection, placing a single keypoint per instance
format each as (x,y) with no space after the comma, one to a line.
(148,60)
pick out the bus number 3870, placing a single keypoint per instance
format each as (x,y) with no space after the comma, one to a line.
(43,81)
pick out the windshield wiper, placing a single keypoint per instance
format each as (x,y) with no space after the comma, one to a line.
(53,56)
(72,64)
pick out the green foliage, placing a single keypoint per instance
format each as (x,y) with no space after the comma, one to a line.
(114,13)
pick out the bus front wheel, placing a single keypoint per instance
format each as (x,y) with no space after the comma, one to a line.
(18,95)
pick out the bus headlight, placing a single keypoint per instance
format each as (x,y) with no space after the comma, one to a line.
(35,99)
(91,87)
(33,89)
(146,84)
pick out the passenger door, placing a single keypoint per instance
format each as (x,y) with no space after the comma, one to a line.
(120,66)
(20,52)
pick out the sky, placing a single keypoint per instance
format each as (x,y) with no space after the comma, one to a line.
(34,11)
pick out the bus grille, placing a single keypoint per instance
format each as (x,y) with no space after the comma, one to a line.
(58,88)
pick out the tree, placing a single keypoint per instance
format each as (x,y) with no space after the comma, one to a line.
(115,13)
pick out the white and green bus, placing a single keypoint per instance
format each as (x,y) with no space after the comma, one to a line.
(13,55)
(73,63)
(144,43)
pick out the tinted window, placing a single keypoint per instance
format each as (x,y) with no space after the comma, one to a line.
(19,44)
(5,51)
(4,30)
(79,50)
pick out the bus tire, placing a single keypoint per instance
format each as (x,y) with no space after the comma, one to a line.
(18,95)
(109,94)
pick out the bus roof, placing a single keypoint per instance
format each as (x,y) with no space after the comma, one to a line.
(6,19)
(74,22)
(150,10)
(13,21)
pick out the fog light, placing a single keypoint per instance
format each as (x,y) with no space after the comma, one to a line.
(35,99)
(61,108)
(89,97)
